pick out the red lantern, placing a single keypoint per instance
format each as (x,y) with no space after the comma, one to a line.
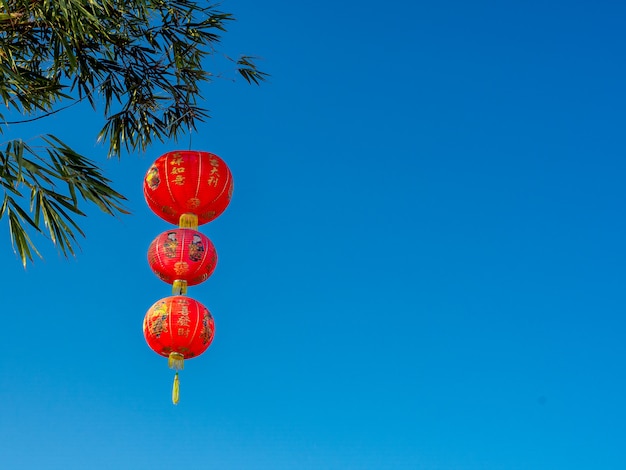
(188,182)
(178,327)
(182,255)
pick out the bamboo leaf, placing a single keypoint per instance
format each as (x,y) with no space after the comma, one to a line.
(143,61)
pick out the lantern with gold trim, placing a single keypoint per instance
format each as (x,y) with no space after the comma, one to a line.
(182,257)
(179,328)
(188,182)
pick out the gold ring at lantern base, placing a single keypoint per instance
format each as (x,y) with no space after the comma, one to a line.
(176,361)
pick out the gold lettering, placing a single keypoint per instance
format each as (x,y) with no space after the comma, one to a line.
(179,180)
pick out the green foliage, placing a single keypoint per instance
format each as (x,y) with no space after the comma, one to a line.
(139,61)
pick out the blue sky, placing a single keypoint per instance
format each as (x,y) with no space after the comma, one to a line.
(422,267)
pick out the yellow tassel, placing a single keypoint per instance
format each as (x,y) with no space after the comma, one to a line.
(188,221)
(176,361)
(179,287)
(175,389)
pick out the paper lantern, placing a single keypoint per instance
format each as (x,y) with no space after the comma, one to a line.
(178,327)
(188,182)
(182,256)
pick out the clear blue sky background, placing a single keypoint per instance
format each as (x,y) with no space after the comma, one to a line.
(422,267)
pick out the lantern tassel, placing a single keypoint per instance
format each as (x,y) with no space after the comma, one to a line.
(188,220)
(175,389)
(176,361)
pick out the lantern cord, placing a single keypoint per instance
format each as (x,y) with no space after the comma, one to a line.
(175,390)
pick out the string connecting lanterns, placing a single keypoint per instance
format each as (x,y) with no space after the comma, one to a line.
(186,188)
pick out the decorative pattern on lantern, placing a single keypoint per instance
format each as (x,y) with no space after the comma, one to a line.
(188,182)
(182,255)
(178,326)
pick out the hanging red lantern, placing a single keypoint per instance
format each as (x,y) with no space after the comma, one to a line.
(188,182)
(178,328)
(182,257)
(178,324)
